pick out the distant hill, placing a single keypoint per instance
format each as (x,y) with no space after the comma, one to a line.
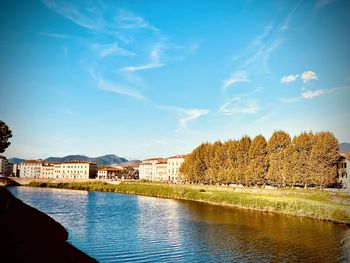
(132,163)
(16,160)
(102,160)
(344,147)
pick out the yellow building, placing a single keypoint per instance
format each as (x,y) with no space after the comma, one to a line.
(75,170)
(173,167)
(147,169)
(47,170)
(30,169)
(161,171)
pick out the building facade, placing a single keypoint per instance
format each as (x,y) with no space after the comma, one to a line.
(173,165)
(72,170)
(109,173)
(161,172)
(3,166)
(159,169)
(47,170)
(30,169)
(75,170)
(147,169)
(344,172)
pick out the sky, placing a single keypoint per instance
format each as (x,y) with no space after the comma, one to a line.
(155,78)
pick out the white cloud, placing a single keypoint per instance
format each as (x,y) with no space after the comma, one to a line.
(185,115)
(308,76)
(90,20)
(239,106)
(116,88)
(289,78)
(236,77)
(57,35)
(105,50)
(189,115)
(154,63)
(310,94)
(322,3)
(128,20)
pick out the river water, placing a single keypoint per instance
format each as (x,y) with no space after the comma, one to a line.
(127,228)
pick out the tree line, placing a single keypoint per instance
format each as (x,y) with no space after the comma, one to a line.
(309,159)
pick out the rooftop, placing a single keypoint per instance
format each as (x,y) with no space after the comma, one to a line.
(177,156)
(154,159)
(33,161)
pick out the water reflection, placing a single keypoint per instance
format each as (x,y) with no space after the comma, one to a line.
(125,228)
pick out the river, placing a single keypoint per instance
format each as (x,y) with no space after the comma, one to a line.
(128,228)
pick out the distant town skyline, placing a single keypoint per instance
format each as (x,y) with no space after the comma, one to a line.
(151,78)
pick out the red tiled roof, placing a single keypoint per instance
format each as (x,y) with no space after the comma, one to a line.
(111,169)
(154,159)
(78,162)
(33,161)
(177,156)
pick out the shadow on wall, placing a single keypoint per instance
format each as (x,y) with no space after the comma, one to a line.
(28,235)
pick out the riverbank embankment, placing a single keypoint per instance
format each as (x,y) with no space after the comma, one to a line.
(28,235)
(312,203)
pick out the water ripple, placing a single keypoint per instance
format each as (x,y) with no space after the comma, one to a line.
(124,228)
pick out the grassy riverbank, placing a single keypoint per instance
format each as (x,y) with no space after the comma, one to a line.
(318,204)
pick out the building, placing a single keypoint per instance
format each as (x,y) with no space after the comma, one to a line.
(15,170)
(173,167)
(147,169)
(3,166)
(109,172)
(344,172)
(75,170)
(47,170)
(9,169)
(30,169)
(161,171)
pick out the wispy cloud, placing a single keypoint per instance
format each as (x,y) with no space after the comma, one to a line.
(105,50)
(154,60)
(311,94)
(322,3)
(185,116)
(189,115)
(236,77)
(116,88)
(239,104)
(308,76)
(90,20)
(129,20)
(289,78)
(57,35)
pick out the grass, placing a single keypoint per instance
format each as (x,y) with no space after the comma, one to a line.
(313,203)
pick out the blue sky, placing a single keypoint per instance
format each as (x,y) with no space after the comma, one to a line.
(157,78)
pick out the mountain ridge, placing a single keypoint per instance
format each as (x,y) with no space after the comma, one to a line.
(101,160)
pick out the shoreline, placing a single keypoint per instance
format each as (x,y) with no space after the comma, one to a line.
(311,203)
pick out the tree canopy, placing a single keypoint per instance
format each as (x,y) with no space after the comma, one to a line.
(5,135)
(306,160)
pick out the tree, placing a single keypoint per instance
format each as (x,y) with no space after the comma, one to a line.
(276,148)
(231,161)
(323,159)
(301,164)
(258,161)
(5,135)
(242,159)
